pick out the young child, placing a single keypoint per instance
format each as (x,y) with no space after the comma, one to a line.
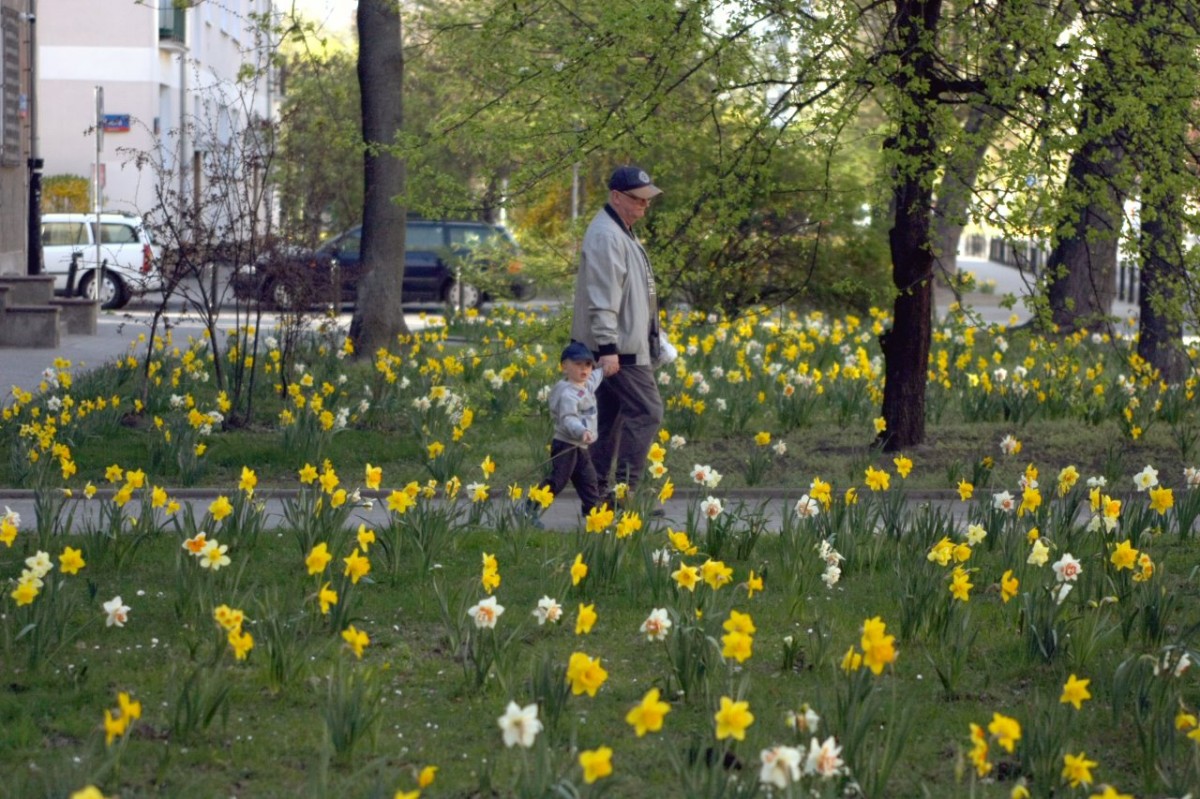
(572,404)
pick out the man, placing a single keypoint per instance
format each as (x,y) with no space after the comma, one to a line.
(616,316)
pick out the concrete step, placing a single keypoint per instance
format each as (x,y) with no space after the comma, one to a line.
(79,315)
(29,289)
(30,326)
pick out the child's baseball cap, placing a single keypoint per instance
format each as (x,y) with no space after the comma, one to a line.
(575,351)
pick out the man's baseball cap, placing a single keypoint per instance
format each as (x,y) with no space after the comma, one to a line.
(635,181)
(575,351)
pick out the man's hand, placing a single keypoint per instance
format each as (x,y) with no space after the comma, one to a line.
(588,437)
(609,365)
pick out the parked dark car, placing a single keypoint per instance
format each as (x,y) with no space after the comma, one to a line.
(434,253)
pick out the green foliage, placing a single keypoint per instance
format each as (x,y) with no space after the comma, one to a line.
(66,193)
(319,172)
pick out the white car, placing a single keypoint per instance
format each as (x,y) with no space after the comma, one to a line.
(131,260)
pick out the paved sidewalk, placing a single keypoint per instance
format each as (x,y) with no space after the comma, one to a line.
(563,515)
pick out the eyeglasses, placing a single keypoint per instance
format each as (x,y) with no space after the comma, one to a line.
(635,198)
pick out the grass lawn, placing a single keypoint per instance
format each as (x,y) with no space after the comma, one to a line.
(882,631)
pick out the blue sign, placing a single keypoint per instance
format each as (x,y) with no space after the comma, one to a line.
(116,123)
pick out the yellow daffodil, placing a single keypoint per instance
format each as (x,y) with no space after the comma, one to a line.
(318,558)
(732,719)
(326,597)
(1075,692)
(1006,729)
(71,561)
(220,508)
(1124,556)
(586,619)
(1008,586)
(877,479)
(585,674)
(596,763)
(579,570)
(1077,769)
(753,584)
(357,566)
(356,639)
(647,715)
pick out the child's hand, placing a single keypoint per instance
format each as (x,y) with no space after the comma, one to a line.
(588,436)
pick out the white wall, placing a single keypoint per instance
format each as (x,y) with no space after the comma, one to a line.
(115,44)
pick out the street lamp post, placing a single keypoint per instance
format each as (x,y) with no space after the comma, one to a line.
(33,238)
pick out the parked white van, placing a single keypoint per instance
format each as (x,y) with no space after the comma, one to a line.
(131,260)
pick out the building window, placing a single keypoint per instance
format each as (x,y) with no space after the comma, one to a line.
(172,22)
(10,86)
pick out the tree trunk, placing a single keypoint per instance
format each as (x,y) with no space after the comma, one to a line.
(906,345)
(1163,161)
(379,313)
(1160,332)
(1081,270)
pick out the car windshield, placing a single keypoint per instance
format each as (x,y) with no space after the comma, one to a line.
(476,235)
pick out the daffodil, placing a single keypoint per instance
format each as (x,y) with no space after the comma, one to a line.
(486,612)
(356,639)
(1124,556)
(1006,729)
(716,574)
(71,561)
(878,647)
(1008,586)
(1162,499)
(596,763)
(585,674)
(657,625)
(520,725)
(647,715)
(326,597)
(220,507)
(241,642)
(357,566)
(732,719)
(318,558)
(877,479)
(961,585)
(579,570)
(686,576)
(213,556)
(598,519)
(1077,769)
(1075,692)
(585,619)
(737,646)
(249,481)
(753,584)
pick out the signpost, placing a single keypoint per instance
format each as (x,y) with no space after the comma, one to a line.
(97,185)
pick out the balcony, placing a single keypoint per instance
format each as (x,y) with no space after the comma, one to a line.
(172,23)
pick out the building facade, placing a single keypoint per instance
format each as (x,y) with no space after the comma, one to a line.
(181,82)
(14,136)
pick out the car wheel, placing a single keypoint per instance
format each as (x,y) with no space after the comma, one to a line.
(113,294)
(470,296)
(285,295)
(524,289)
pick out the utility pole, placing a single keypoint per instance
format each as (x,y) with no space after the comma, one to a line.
(97,187)
(33,238)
